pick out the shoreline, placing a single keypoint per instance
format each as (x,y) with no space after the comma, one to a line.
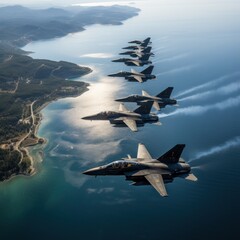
(31,170)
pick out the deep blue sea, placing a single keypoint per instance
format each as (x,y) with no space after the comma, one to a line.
(197,51)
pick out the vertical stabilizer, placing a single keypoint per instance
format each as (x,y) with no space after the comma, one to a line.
(173,155)
(145,108)
(166,93)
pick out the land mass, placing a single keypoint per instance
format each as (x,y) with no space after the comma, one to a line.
(27,85)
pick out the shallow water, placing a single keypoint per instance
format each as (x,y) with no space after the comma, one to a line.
(196,46)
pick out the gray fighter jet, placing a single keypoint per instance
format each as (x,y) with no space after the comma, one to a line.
(146,41)
(138,53)
(124,117)
(145,170)
(160,100)
(144,60)
(140,44)
(135,76)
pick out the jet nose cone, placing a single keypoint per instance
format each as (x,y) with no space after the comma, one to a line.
(111,75)
(86,118)
(92,171)
(120,100)
(89,117)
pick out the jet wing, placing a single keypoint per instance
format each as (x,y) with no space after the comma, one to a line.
(134,72)
(157,182)
(138,78)
(134,62)
(143,152)
(131,123)
(156,105)
(122,108)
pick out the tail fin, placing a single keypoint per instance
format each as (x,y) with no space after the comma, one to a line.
(145,108)
(148,70)
(173,155)
(147,50)
(166,93)
(145,42)
(145,57)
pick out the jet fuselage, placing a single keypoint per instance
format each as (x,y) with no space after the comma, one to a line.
(141,98)
(123,167)
(108,115)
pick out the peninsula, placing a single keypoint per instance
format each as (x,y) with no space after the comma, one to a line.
(27,85)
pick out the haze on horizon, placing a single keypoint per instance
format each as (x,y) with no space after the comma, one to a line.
(63,3)
(49,3)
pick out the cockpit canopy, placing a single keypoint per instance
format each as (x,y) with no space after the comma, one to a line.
(121,164)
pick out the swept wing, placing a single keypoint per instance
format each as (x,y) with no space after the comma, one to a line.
(143,152)
(157,182)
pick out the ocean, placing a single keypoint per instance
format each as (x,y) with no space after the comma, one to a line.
(197,51)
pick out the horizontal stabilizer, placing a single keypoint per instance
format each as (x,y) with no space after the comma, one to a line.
(173,155)
(190,177)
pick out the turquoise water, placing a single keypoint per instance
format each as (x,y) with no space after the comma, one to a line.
(197,52)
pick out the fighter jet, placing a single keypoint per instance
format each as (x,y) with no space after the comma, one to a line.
(138,53)
(124,117)
(144,60)
(135,76)
(160,100)
(146,41)
(145,170)
(140,44)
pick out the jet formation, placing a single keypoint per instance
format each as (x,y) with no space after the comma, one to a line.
(138,117)
(142,170)
(146,170)
(141,51)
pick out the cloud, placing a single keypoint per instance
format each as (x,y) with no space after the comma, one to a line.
(235,142)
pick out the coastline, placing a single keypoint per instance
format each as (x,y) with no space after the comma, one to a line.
(27,150)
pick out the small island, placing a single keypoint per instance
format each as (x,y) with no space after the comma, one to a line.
(27,85)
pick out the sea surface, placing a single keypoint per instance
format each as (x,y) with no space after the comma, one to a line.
(197,51)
